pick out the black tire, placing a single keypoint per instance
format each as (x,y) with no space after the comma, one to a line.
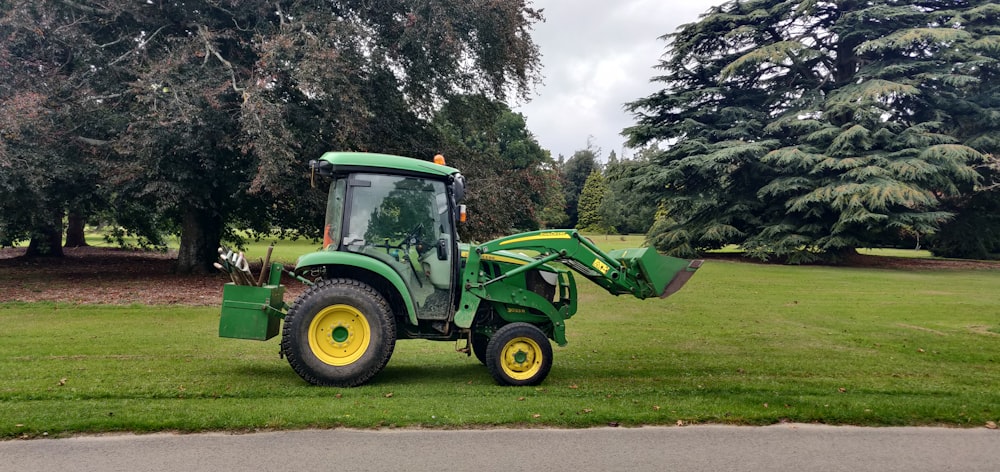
(487,321)
(479,344)
(519,354)
(339,333)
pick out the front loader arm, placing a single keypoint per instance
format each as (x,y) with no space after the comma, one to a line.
(642,273)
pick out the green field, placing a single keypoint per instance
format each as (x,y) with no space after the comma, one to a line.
(741,343)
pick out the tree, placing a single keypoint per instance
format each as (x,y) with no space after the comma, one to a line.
(505,168)
(574,175)
(217,105)
(553,212)
(973,234)
(595,189)
(45,108)
(804,129)
(625,208)
(975,231)
(402,214)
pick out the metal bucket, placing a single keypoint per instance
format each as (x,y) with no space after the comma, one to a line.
(250,312)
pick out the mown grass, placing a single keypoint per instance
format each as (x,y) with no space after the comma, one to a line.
(742,343)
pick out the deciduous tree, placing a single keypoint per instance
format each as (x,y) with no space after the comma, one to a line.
(507,171)
(219,104)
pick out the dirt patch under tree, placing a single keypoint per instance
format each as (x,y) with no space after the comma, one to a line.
(111,276)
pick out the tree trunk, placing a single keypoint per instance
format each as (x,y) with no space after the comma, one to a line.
(846,255)
(47,240)
(846,66)
(75,236)
(200,235)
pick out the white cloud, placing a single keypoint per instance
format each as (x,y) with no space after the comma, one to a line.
(597,56)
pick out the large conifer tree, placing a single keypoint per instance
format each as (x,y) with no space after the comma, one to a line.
(805,128)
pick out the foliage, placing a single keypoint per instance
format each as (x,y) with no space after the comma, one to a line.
(595,189)
(804,129)
(505,168)
(403,213)
(553,211)
(575,172)
(213,107)
(625,208)
(44,107)
(974,233)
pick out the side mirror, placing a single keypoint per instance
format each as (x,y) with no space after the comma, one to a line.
(321,168)
(458,187)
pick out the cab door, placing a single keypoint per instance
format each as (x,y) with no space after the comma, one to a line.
(406,223)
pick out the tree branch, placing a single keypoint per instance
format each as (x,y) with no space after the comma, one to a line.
(141,45)
(281,15)
(203,31)
(93,142)
(100,11)
(112,43)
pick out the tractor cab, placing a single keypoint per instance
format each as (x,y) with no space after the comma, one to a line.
(402,213)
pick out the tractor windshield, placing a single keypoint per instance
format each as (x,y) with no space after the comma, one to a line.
(404,222)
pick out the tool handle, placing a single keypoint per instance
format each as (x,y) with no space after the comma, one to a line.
(265,267)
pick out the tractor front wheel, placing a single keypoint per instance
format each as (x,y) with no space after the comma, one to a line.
(479,344)
(339,333)
(519,354)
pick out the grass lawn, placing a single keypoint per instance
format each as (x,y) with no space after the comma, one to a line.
(741,343)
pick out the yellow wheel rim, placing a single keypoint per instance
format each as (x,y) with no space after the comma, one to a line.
(339,335)
(521,358)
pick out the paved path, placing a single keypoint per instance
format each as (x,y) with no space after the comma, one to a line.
(692,448)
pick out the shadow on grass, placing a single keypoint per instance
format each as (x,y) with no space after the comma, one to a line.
(432,374)
(277,372)
(440,374)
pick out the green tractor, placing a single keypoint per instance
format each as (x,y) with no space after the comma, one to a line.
(392,267)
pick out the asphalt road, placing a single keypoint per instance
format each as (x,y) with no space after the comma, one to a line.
(691,448)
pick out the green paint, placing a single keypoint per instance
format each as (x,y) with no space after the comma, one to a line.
(349,261)
(344,162)
(251,312)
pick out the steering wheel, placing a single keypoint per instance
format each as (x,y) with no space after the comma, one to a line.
(412,238)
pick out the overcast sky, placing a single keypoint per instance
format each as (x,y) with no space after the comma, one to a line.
(598,55)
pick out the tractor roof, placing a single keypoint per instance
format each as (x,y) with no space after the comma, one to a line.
(372,162)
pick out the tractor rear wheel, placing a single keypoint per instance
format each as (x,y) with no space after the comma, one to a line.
(339,333)
(519,354)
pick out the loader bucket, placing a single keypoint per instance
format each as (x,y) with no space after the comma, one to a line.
(661,275)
